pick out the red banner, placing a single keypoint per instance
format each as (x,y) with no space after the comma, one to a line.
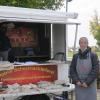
(29,74)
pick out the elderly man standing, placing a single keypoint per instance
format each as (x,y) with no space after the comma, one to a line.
(83,72)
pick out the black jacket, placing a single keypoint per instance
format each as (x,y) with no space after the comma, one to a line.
(4,41)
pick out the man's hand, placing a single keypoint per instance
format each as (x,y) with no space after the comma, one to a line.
(84,85)
(78,83)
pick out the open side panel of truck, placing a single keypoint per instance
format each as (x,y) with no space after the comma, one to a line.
(37,34)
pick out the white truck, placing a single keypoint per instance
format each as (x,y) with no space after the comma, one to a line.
(49,31)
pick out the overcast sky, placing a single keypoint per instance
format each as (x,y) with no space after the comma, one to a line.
(85,10)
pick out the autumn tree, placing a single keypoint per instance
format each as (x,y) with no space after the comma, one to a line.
(95,28)
(39,4)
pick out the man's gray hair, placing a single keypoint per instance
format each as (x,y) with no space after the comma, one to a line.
(85,38)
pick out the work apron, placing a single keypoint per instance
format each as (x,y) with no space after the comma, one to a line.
(83,68)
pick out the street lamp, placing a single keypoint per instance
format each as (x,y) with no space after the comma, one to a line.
(67,27)
(66,35)
(67,4)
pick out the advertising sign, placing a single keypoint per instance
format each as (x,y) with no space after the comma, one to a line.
(29,74)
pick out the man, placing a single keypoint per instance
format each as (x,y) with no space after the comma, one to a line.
(5,44)
(83,72)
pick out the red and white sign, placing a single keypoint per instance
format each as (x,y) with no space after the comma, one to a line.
(29,74)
